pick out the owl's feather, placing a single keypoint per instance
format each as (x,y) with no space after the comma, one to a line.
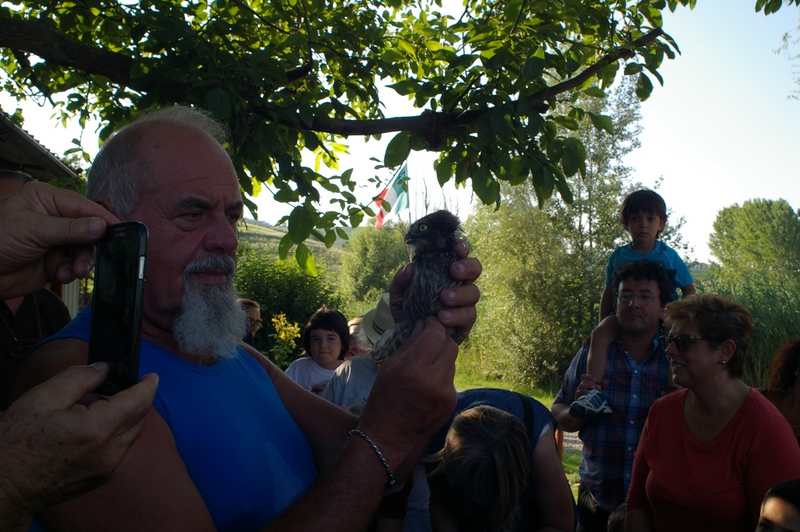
(432,240)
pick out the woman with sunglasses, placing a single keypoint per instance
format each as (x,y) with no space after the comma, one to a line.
(708,453)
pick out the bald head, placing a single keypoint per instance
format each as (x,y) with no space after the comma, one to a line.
(122,171)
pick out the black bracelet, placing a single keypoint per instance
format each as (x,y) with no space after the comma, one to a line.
(372,444)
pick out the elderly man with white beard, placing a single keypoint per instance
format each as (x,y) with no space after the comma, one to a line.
(231,443)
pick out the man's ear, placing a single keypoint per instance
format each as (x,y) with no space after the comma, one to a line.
(103,202)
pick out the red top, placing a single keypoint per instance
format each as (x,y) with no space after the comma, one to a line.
(689,485)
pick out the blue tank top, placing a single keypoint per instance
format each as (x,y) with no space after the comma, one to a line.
(244,452)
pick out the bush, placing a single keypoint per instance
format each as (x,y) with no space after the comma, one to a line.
(776,314)
(281,288)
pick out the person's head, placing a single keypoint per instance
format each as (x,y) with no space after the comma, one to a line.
(253,311)
(643,215)
(785,366)
(11,181)
(616,520)
(359,342)
(780,511)
(485,455)
(710,333)
(326,338)
(641,289)
(169,170)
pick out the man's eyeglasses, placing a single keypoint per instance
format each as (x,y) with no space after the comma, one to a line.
(627,297)
(254,323)
(682,341)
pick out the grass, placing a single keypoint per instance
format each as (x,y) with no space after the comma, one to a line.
(572,459)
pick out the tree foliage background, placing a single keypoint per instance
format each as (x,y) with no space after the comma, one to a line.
(494,83)
(281,288)
(370,260)
(757,245)
(544,269)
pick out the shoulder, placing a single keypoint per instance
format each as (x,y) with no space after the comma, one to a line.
(618,253)
(673,255)
(758,407)
(300,364)
(48,360)
(50,297)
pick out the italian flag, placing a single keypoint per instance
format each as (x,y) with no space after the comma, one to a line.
(395,196)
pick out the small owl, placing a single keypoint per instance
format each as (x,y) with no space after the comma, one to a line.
(432,242)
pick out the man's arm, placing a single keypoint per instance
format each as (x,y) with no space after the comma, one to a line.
(53,447)
(412,397)
(149,490)
(566,422)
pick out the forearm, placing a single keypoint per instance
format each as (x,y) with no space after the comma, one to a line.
(345,497)
(687,291)
(566,422)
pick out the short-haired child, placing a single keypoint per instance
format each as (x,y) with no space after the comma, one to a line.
(643,215)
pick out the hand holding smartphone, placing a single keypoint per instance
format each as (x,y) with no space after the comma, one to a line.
(117,304)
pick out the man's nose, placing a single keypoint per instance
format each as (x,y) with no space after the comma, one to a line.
(221,237)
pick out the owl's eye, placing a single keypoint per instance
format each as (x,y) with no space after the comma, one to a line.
(423,227)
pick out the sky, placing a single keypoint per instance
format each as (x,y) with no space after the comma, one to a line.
(720,131)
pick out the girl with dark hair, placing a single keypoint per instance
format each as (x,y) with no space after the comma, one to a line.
(326,342)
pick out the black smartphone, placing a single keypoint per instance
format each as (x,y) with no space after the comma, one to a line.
(117,304)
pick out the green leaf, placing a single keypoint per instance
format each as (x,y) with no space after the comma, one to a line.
(219,102)
(594,92)
(356,217)
(570,161)
(285,246)
(485,186)
(632,68)
(305,260)
(301,223)
(602,122)
(406,47)
(398,149)
(406,87)
(643,87)
(444,170)
(567,122)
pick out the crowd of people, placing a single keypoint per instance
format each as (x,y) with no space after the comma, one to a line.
(216,437)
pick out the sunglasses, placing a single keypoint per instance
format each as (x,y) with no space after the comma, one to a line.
(682,341)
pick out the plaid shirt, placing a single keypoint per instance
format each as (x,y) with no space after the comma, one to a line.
(609,442)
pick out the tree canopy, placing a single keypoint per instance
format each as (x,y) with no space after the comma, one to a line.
(490,82)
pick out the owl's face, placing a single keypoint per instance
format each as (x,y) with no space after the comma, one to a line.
(433,231)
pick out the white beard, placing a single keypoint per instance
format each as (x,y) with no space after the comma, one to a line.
(210,322)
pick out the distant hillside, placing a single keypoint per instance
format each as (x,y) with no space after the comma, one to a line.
(267,237)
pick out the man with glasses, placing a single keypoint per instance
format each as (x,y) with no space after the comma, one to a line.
(254,322)
(636,376)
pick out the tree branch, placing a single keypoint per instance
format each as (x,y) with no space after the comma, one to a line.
(36,37)
(423,123)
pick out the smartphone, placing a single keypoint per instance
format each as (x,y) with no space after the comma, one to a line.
(116,327)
